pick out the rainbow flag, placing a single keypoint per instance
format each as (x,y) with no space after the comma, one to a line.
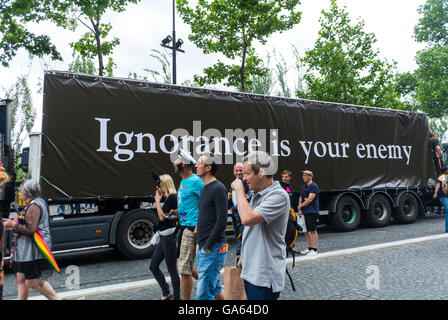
(41,244)
(43,248)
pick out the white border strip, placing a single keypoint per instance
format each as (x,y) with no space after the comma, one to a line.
(300,258)
(147,283)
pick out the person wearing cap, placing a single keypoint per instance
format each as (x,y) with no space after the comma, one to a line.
(188,211)
(309,207)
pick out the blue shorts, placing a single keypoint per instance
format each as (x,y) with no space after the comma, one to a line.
(209,266)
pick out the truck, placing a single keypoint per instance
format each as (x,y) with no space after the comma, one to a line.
(103,137)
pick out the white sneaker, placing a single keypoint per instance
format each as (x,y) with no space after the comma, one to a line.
(312,253)
(305,251)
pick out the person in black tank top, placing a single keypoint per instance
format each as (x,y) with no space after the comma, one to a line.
(167,230)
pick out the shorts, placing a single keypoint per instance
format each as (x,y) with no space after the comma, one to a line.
(31,269)
(209,267)
(311,222)
(187,254)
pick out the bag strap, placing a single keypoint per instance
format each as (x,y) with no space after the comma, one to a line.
(290,279)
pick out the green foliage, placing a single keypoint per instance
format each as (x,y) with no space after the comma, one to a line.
(163,59)
(15,14)
(439,127)
(431,91)
(432,85)
(275,80)
(344,67)
(406,83)
(23,113)
(82,64)
(20,173)
(232,27)
(261,84)
(282,69)
(432,26)
(93,43)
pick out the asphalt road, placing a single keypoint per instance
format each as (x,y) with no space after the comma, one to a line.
(341,277)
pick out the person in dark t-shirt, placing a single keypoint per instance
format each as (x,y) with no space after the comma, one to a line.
(211,248)
(436,153)
(167,231)
(285,183)
(309,207)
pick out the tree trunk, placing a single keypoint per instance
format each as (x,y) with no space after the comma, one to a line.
(98,46)
(243,67)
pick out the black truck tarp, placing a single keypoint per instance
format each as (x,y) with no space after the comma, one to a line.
(102,137)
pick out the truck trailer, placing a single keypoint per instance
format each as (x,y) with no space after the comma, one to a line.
(102,138)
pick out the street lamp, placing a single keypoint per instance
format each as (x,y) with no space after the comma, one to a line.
(166,40)
(175,44)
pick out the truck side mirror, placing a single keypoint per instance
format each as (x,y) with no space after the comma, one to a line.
(24,159)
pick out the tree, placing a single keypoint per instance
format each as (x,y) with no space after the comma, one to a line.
(432,26)
(232,27)
(275,80)
(23,114)
(14,16)
(344,67)
(82,64)
(439,127)
(93,44)
(261,84)
(431,93)
(432,81)
(164,61)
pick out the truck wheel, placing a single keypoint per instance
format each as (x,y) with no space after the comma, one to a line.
(407,209)
(348,214)
(135,232)
(379,213)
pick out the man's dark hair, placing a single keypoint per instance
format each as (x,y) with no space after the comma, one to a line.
(432,135)
(259,160)
(209,160)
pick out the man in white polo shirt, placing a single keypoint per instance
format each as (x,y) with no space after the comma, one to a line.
(263,251)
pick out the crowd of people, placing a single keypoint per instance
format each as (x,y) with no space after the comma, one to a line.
(259,208)
(191,233)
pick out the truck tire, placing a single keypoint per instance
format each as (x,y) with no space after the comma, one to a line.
(379,213)
(347,216)
(407,209)
(134,233)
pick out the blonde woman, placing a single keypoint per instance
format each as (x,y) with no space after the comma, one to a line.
(166,247)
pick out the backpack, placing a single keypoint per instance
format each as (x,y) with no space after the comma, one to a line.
(292,232)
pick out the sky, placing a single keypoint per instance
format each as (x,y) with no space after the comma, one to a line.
(142,27)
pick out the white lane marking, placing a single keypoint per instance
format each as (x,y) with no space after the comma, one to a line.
(115,288)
